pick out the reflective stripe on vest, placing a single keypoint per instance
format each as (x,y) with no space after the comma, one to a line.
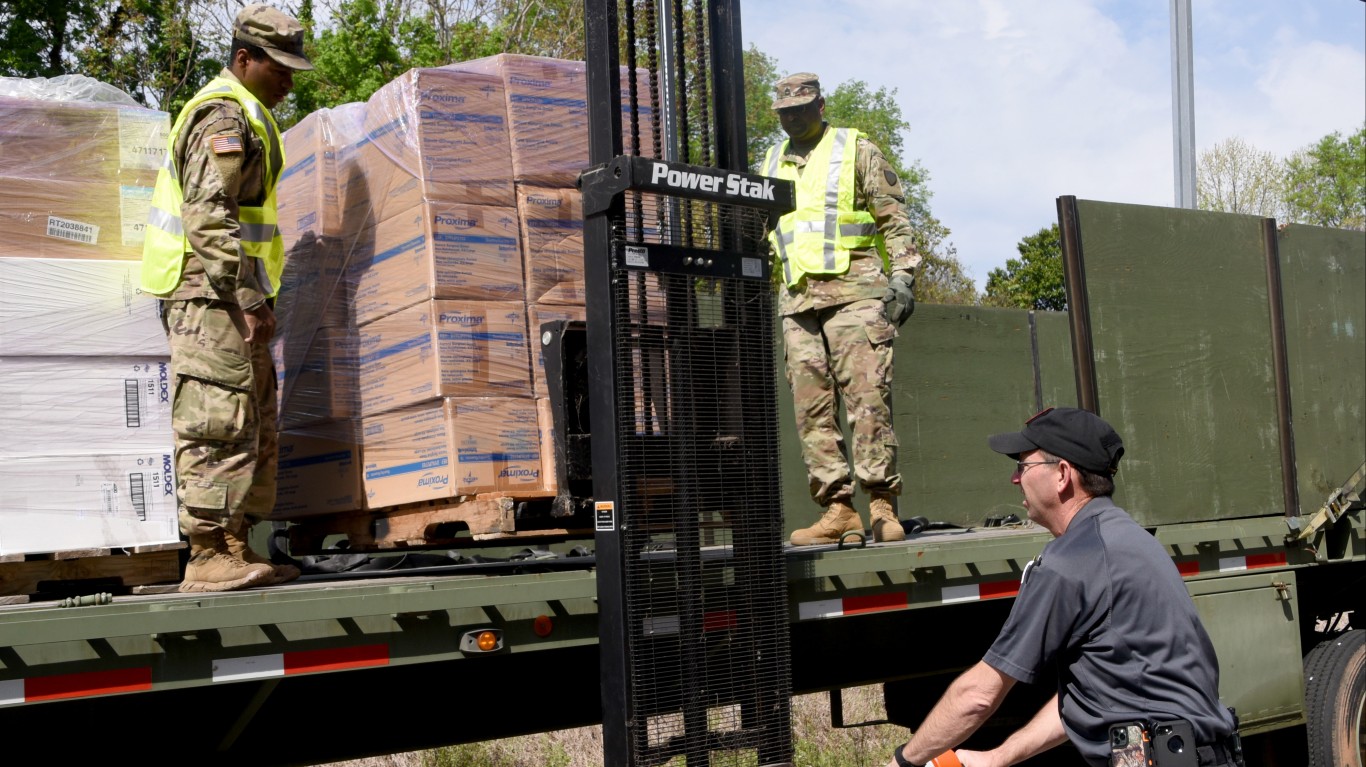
(165,246)
(817,237)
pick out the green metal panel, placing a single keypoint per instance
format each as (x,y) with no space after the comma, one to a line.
(961,374)
(1180,322)
(1322,274)
(1057,378)
(1253,622)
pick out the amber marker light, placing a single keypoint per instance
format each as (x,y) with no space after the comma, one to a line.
(481,641)
(542,626)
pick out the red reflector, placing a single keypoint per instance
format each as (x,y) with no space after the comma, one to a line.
(875,603)
(1189,567)
(718,621)
(92,683)
(542,626)
(997,589)
(1265,560)
(336,659)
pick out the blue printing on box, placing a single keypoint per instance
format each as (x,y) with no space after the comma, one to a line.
(407,468)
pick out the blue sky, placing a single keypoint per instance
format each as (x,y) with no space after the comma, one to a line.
(1015,102)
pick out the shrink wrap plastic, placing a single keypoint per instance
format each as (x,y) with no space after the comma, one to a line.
(443,199)
(76,169)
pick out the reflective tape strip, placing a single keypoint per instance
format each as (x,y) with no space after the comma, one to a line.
(339,659)
(166,222)
(262,233)
(11,692)
(899,600)
(832,196)
(1251,562)
(809,227)
(303,662)
(63,686)
(664,625)
(858,230)
(255,667)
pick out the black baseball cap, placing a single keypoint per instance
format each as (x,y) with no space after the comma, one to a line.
(1077,436)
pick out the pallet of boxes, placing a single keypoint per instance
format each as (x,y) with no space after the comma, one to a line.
(87,490)
(429,232)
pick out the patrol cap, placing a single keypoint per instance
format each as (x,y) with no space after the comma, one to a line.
(281,37)
(797,90)
(1077,436)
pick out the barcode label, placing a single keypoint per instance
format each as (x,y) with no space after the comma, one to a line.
(137,496)
(76,231)
(131,411)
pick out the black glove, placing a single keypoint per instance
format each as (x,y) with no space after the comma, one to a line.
(898,303)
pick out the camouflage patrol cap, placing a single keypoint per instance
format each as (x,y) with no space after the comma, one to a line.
(797,90)
(280,36)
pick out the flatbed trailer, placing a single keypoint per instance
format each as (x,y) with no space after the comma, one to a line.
(393,659)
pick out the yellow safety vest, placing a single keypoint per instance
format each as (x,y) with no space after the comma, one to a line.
(816,237)
(165,246)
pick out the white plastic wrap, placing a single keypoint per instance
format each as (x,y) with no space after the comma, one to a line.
(62,307)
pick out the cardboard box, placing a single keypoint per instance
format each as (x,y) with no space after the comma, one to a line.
(444,349)
(438,250)
(55,136)
(547,109)
(318,377)
(449,448)
(536,314)
(322,164)
(63,307)
(319,472)
(546,421)
(437,134)
(108,500)
(315,290)
(76,177)
(74,218)
(56,405)
(552,237)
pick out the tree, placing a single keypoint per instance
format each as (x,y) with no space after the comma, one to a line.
(38,37)
(1325,183)
(1236,177)
(1034,280)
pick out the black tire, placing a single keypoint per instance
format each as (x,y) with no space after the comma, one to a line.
(1334,700)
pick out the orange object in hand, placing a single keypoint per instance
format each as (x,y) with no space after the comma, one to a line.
(946,759)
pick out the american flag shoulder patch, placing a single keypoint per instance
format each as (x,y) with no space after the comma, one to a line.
(226,143)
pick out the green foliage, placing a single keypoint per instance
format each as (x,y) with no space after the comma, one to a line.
(1236,177)
(38,37)
(1325,184)
(761,123)
(1034,280)
(875,113)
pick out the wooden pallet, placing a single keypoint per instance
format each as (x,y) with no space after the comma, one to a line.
(22,575)
(483,518)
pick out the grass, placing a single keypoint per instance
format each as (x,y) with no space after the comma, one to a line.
(816,743)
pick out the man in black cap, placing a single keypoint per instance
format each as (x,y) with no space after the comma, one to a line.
(214,256)
(1103,605)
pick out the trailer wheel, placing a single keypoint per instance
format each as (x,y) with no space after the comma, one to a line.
(1334,700)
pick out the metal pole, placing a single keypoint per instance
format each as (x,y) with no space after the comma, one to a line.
(1183,105)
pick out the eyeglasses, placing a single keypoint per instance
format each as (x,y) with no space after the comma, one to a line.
(1022,466)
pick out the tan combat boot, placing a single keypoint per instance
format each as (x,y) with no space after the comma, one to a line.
(839,518)
(886,526)
(213,568)
(240,549)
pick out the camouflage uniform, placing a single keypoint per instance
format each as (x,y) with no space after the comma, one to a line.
(839,344)
(224,404)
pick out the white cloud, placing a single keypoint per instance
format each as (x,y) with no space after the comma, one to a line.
(1015,102)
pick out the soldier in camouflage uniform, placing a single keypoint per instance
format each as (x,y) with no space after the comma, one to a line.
(213,256)
(847,266)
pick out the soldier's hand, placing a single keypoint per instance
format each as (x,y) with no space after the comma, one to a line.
(898,302)
(260,324)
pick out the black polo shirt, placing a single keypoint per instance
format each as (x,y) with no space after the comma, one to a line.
(1105,607)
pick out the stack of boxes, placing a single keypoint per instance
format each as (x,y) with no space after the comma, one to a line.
(84,382)
(451,196)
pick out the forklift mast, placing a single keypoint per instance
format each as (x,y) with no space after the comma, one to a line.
(678,404)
